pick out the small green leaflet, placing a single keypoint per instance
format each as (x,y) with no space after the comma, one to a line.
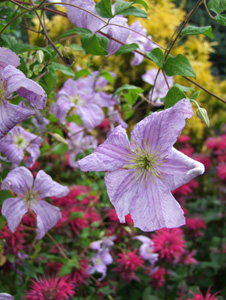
(80,73)
(127,48)
(217,6)
(77,30)
(143,3)
(128,87)
(157,56)
(95,44)
(103,8)
(65,70)
(179,65)
(133,11)
(221,19)
(173,96)
(194,30)
(120,6)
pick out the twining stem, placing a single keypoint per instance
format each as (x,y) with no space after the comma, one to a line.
(57,245)
(208,11)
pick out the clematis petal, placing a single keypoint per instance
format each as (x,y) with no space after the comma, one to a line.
(47,217)
(180,169)
(155,207)
(13,210)
(106,257)
(82,18)
(11,114)
(16,81)
(91,115)
(143,239)
(61,107)
(121,191)
(13,153)
(8,57)
(110,155)
(161,129)
(5,296)
(19,180)
(47,187)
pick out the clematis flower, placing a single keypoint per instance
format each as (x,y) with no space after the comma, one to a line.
(142,174)
(146,250)
(160,88)
(16,142)
(71,96)
(13,80)
(5,296)
(143,43)
(81,17)
(30,193)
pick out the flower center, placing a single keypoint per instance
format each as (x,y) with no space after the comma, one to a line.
(2,90)
(98,261)
(20,141)
(144,162)
(30,197)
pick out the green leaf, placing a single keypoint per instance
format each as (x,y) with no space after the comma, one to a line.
(15,22)
(179,65)
(194,30)
(121,6)
(108,76)
(48,81)
(95,44)
(66,269)
(143,3)
(173,96)
(133,11)
(80,73)
(59,149)
(183,88)
(77,47)
(217,6)
(195,95)
(29,269)
(65,70)
(103,8)
(77,30)
(127,48)
(221,19)
(7,41)
(157,56)
(76,214)
(128,87)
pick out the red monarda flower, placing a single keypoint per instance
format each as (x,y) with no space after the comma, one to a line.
(194,226)
(169,243)
(50,289)
(128,264)
(13,242)
(158,278)
(221,171)
(199,296)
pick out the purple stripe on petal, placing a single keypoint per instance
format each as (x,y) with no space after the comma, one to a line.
(11,114)
(155,207)
(18,180)
(13,210)
(47,187)
(47,217)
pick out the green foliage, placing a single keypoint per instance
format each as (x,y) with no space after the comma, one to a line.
(127,48)
(157,56)
(173,96)
(104,8)
(95,44)
(179,65)
(194,30)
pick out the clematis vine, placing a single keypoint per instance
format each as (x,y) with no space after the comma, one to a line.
(13,80)
(142,173)
(16,142)
(160,89)
(30,194)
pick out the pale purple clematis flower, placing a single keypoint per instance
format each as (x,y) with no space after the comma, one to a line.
(13,80)
(102,258)
(160,89)
(78,142)
(144,43)
(72,96)
(82,18)
(30,194)
(5,296)
(16,142)
(142,174)
(146,250)
(115,118)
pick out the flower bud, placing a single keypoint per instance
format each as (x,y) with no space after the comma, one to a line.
(68,55)
(202,114)
(58,138)
(39,56)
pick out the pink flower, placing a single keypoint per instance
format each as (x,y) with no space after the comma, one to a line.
(194,226)
(200,296)
(128,264)
(13,242)
(183,139)
(158,278)
(50,288)
(169,243)
(221,171)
